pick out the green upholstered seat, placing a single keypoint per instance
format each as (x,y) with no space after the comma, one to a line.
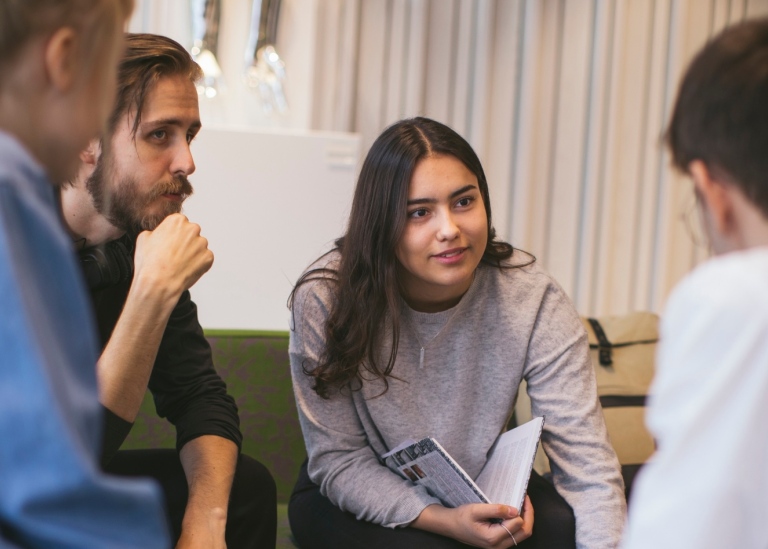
(255,367)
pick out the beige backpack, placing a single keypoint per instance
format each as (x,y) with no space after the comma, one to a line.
(623,352)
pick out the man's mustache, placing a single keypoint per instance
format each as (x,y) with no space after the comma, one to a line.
(179,184)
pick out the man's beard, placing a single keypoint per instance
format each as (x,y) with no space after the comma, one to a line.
(126,208)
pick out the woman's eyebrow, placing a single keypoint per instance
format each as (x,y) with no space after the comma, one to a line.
(462,190)
(454,194)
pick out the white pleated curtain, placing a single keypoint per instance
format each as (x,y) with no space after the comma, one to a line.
(565,102)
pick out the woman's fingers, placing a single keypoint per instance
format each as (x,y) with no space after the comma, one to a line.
(525,525)
(482,512)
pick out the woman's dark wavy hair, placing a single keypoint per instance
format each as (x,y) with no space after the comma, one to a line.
(366,291)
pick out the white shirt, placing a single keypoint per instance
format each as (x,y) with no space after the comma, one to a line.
(707,485)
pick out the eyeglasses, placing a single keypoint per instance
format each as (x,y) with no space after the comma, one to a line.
(691,218)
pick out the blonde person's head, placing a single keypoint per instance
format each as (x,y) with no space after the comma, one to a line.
(21,21)
(58,65)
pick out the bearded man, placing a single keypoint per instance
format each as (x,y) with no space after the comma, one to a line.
(140,257)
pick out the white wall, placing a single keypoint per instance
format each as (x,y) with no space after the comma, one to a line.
(269,203)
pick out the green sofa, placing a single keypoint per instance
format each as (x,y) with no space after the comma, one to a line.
(255,366)
(256,369)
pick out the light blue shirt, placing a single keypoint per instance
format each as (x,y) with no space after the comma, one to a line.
(52,493)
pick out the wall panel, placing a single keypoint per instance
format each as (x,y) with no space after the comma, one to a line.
(656,115)
(592,177)
(441,55)
(501,137)
(373,68)
(563,219)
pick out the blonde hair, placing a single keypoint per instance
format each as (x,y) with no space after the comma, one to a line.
(23,20)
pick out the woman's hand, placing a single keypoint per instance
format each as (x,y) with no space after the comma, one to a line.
(471,524)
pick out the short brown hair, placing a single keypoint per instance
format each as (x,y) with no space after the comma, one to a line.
(721,113)
(147,57)
(23,20)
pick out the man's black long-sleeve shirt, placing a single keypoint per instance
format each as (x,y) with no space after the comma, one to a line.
(185,386)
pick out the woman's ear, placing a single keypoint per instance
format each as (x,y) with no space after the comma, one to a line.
(716,198)
(61,59)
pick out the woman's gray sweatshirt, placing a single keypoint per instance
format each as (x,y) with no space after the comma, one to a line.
(512,324)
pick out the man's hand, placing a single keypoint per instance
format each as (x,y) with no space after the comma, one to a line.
(471,524)
(172,257)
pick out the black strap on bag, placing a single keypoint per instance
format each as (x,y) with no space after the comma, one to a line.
(609,362)
(615,401)
(604,353)
(603,345)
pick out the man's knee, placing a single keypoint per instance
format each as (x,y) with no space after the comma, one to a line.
(253,484)
(252,517)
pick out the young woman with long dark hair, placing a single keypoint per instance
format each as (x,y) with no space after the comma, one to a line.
(421,323)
